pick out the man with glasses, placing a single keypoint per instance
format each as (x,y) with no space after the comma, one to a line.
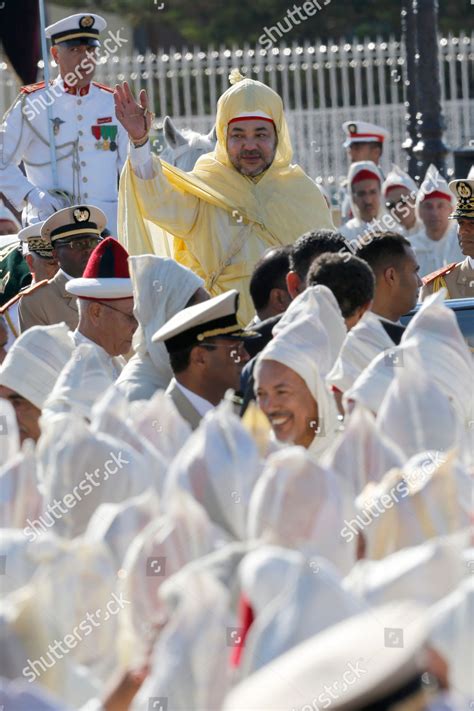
(207,352)
(73,233)
(105,301)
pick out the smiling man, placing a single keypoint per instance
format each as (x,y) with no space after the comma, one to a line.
(238,201)
(290,372)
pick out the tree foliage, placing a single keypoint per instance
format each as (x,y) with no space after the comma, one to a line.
(213,22)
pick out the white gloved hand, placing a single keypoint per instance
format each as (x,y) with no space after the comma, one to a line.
(43,203)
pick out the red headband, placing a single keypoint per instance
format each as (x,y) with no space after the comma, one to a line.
(436,194)
(392,187)
(367,135)
(251,118)
(365,175)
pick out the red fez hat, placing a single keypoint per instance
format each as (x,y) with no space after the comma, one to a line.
(106,275)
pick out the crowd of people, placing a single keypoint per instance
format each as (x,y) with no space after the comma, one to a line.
(236,421)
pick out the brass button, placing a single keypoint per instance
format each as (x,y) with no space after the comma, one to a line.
(83,162)
(81,133)
(86,195)
(79,101)
(84,180)
(81,148)
(79,118)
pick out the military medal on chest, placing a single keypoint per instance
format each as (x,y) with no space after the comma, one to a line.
(105,136)
(56,124)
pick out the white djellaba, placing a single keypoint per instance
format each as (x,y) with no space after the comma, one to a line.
(161,288)
(307,340)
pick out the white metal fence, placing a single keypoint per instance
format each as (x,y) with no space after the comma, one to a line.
(321,86)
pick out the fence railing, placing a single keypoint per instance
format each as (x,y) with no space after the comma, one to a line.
(322,85)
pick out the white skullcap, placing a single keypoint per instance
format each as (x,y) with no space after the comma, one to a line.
(35,360)
(397,178)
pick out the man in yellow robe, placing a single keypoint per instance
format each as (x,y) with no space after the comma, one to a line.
(239,200)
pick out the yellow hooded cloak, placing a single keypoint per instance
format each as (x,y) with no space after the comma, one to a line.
(214,220)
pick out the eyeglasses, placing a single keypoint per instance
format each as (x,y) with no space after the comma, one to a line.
(238,346)
(79,245)
(130,317)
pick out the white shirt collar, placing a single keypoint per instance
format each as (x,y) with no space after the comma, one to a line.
(199,403)
(387,320)
(471,262)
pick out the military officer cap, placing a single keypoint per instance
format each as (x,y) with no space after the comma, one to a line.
(463,191)
(194,325)
(77,221)
(363,132)
(31,239)
(77,29)
(373,661)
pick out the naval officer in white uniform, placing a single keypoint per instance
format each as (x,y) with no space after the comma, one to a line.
(91,144)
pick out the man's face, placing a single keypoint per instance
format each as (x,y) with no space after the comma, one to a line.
(409,282)
(224,363)
(466,236)
(79,60)
(286,400)
(434,213)
(251,146)
(74,255)
(366,195)
(7,227)
(42,267)
(364,151)
(116,324)
(401,205)
(27,414)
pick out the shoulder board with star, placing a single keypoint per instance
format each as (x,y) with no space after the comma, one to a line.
(30,88)
(24,292)
(103,86)
(440,272)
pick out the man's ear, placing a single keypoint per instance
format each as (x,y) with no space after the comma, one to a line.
(29,261)
(198,356)
(54,53)
(279,299)
(389,275)
(293,284)
(94,311)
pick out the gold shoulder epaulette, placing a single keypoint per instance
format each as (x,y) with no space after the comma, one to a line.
(30,88)
(440,272)
(103,86)
(23,292)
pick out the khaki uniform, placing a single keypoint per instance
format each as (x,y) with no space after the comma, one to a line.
(48,302)
(458,279)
